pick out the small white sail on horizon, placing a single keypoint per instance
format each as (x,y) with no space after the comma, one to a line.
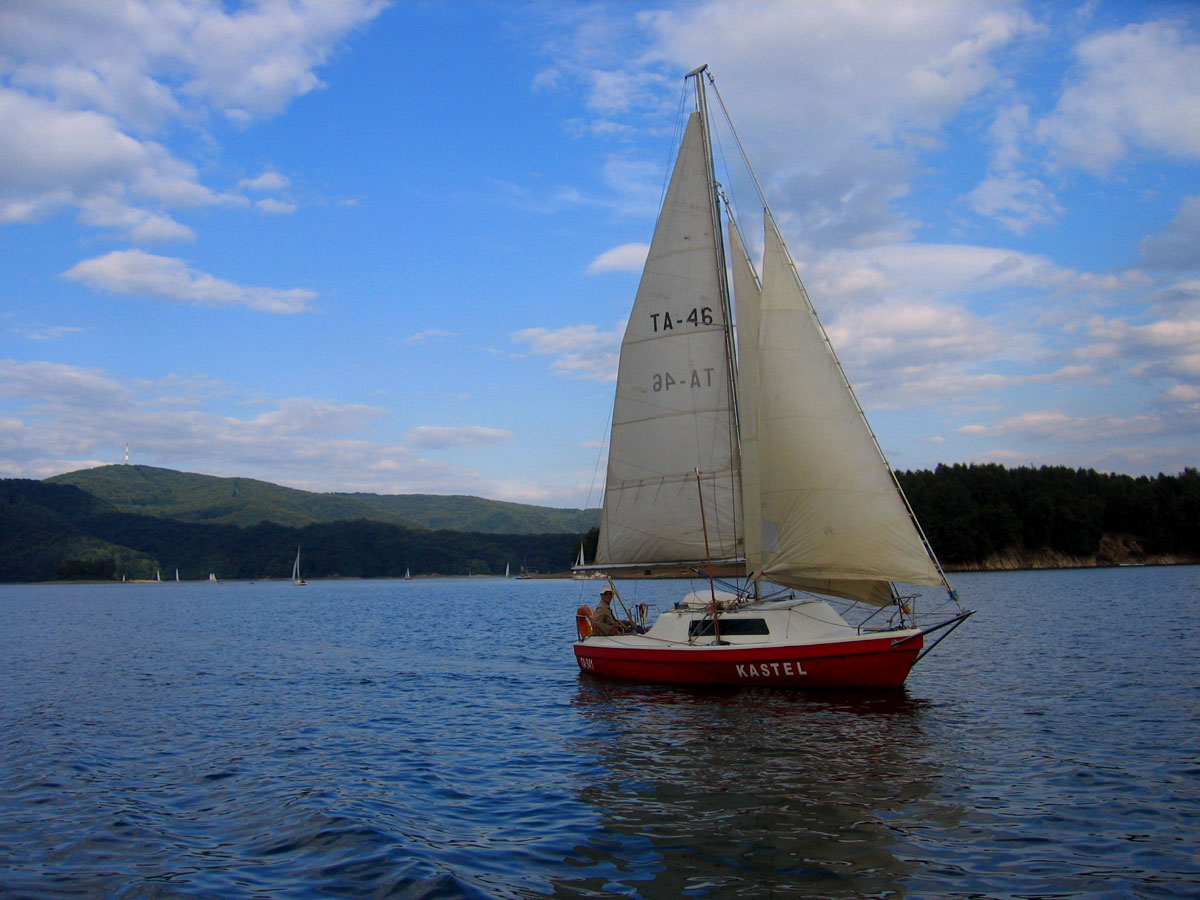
(296,579)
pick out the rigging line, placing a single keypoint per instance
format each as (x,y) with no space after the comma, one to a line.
(603,446)
(737,140)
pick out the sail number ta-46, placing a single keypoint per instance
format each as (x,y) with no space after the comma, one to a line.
(697,318)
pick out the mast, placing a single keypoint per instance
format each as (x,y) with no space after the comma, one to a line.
(699,74)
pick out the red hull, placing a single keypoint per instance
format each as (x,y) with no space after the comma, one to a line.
(871,662)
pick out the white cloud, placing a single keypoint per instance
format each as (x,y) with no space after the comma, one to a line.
(165,278)
(470,436)
(580,351)
(1178,246)
(59,418)
(430,335)
(252,62)
(304,415)
(1057,426)
(275,207)
(60,385)
(1136,88)
(1169,346)
(839,100)
(267,181)
(626,258)
(46,332)
(1017,201)
(84,85)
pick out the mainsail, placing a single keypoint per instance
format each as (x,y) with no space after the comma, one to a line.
(673,413)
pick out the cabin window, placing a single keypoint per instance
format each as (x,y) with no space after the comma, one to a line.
(729,627)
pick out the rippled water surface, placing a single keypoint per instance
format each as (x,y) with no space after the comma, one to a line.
(435,739)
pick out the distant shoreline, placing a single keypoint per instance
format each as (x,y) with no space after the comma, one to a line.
(999,565)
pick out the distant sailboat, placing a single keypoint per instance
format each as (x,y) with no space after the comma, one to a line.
(747,451)
(407,574)
(157,576)
(580,573)
(212,576)
(296,579)
(177,575)
(506,570)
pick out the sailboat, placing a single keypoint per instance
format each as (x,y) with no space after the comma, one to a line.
(743,454)
(580,572)
(296,579)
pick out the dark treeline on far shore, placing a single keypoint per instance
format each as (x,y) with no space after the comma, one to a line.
(987,516)
(975,516)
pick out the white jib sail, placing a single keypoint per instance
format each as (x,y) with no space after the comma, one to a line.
(672,414)
(831,512)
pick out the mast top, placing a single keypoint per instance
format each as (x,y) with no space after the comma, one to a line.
(695,71)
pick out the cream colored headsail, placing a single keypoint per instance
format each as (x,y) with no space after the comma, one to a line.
(673,413)
(833,518)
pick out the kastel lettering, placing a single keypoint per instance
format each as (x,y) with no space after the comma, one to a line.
(769,670)
(586,663)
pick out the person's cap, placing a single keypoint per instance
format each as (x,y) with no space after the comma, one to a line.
(606,593)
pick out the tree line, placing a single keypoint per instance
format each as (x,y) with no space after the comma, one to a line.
(972,512)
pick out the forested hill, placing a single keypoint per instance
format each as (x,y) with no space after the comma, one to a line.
(189,497)
(57,531)
(987,516)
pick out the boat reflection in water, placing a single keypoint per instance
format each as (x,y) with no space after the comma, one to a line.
(750,792)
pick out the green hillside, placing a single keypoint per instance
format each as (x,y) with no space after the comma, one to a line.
(58,531)
(188,497)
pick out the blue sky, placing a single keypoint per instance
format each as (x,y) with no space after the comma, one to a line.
(362,246)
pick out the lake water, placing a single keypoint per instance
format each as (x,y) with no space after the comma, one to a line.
(435,739)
